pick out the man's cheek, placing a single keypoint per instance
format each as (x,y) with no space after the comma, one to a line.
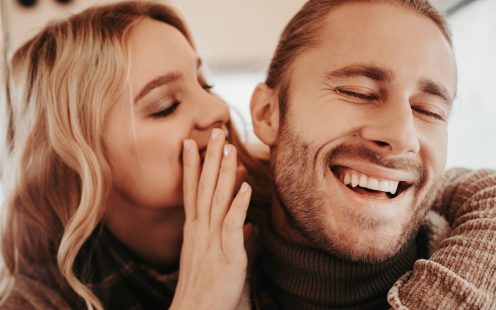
(434,149)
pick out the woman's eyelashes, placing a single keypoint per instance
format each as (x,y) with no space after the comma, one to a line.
(166,107)
(207,87)
(166,110)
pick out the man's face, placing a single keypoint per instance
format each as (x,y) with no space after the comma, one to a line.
(363,143)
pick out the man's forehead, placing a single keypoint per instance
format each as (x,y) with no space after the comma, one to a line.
(357,19)
(397,40)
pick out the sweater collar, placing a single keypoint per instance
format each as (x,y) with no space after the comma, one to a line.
(306,278)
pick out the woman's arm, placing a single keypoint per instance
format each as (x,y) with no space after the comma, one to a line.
(461,273)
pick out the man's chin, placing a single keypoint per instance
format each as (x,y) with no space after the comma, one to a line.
(365,245)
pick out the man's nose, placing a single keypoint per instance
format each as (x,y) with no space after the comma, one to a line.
(391,128)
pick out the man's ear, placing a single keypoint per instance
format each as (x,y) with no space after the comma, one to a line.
(264,109)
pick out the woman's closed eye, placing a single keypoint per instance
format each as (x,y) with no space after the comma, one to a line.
(207,87)
(165,108)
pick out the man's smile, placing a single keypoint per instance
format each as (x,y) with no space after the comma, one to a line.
(360,182)
(369,185)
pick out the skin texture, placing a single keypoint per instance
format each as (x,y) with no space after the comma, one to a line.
(145,208)
(366,98)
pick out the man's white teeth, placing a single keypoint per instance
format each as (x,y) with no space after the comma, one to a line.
(357,179)
(363,181)
(394,187)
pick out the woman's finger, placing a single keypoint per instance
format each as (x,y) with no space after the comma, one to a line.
(232,228)
(191,174)
(241,176)
(224,190)
(209,175)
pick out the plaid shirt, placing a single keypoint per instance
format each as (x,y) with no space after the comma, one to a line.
(118,278)
(121,280)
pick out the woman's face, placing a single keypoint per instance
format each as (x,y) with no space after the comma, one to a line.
(167,101)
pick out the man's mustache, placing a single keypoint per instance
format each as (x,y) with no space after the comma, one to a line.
(363,153)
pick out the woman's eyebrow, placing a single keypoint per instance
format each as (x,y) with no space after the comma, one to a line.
(156,82)
(162,80)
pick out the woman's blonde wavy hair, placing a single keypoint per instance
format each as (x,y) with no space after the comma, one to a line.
(60,86)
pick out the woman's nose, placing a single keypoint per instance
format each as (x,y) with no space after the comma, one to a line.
(212,111)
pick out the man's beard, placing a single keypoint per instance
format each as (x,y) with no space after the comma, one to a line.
(304,199)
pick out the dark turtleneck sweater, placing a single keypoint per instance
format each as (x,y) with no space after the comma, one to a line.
(291,276)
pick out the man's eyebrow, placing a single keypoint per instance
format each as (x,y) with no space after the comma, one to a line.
(161,80)
(369,71)
(435,89)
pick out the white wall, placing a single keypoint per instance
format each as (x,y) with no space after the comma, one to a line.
(473,124)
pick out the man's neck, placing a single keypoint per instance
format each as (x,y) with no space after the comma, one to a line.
(299,274)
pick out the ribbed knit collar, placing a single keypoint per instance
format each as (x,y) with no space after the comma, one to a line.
(304,278)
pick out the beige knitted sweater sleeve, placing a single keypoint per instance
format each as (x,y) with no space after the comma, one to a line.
(461,273)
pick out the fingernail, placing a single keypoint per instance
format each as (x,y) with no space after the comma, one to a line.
(244,188)
(187,144)
(227,150)
(216,133)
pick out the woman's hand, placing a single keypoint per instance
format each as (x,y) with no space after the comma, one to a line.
(213,258)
